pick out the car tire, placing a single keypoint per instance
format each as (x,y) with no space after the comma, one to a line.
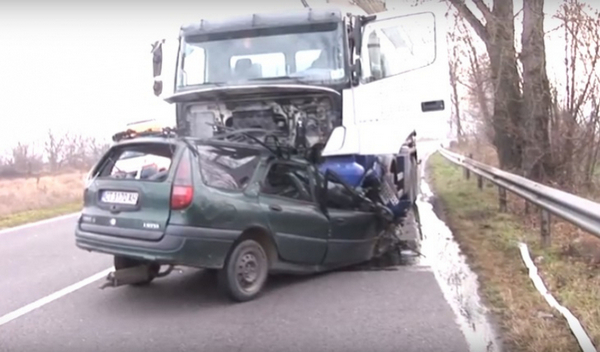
(245,271)
(125,262)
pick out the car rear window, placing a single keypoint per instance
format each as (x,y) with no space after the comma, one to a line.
(229,168)
(144,161)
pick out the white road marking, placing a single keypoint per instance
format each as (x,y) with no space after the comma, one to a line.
(38,223)
(52,297)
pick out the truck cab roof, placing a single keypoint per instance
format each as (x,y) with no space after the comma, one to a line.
(262,20)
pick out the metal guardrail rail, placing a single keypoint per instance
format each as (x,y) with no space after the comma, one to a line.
(576,210)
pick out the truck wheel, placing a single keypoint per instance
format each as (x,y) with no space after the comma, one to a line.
(125,262)
(245,271)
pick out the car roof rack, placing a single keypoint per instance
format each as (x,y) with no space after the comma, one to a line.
(165,132)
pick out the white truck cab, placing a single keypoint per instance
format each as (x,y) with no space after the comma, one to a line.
(355,84)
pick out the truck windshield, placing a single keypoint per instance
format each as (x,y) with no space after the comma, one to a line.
(308,54)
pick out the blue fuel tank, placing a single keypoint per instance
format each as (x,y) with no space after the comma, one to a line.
(353,169)
(346,167)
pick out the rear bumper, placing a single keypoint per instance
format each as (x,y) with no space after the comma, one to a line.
(180,245)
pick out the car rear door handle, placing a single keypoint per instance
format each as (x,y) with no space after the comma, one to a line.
(340,221)
(275,207)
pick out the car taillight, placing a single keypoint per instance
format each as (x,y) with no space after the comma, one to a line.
(183,189)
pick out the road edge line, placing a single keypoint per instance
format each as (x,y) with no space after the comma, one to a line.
(7,318)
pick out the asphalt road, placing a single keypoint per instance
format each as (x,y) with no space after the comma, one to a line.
(400,310)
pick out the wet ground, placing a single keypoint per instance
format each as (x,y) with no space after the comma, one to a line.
(430,243)
(458,282)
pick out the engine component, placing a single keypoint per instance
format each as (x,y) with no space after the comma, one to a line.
(305,121)
(259,116)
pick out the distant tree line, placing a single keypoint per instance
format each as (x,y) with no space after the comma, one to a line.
(58,153)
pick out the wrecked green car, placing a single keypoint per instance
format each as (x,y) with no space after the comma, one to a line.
(239,208)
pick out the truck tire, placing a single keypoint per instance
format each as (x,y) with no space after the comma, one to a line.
(125,262)
(245,271)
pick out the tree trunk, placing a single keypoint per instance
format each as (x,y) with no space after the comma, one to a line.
(455,99)
(537,102)
(506,119)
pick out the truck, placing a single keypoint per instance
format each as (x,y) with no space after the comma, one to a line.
(354,86)
(293,151)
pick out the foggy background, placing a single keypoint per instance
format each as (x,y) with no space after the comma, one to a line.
(86,67)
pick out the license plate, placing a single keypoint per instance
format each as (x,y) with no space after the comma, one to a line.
(129,198)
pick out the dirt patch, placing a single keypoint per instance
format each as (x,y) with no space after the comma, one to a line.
(489,240)
(586,249)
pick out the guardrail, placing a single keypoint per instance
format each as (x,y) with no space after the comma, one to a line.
(576,210)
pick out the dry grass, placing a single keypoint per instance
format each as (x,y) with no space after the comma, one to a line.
(31,199)
(489,239)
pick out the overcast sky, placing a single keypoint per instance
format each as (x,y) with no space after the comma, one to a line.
(85,66)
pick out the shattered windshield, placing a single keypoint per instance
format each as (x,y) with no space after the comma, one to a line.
(307,53)
(229,168)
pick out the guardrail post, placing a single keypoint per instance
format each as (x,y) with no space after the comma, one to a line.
(526,207)
(502,198)
(545,227)
(467,171)
(479,182)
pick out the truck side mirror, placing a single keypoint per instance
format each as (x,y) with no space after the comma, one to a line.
(157,60)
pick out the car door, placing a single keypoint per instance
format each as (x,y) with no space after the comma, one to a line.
(353,236)
(301,229)
(353,232)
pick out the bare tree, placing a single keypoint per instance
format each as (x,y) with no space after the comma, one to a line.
(454,71)
(497,32)
(24,161)
(472,73)
(575,124)
(536,160)
(96,149)
(54,150)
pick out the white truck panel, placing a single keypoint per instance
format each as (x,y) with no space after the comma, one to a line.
(382,113)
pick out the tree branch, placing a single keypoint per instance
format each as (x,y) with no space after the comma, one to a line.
(485,10)
(468,15)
